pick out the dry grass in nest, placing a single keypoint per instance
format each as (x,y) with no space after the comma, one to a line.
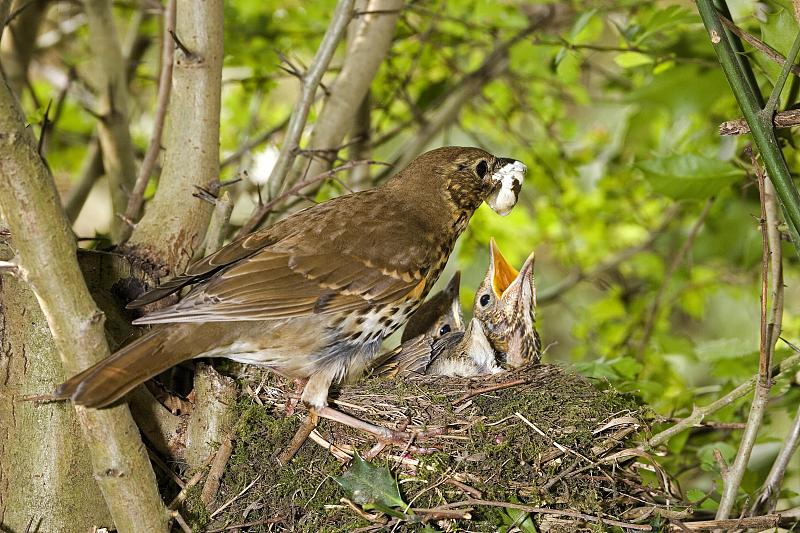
(476,454)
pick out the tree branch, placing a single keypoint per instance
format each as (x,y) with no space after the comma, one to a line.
(783,119)
(769,494)
(785,368)
(367,48)
(46,249)
(297,122)
(759,45)
(136,198)
(113,127)
(733,480)
(745,90)
(175,222)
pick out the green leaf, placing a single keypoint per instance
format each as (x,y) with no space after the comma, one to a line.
(689,176)
(632,59)
(695,495)
(369,484)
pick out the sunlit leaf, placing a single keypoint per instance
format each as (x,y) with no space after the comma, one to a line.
(689,176)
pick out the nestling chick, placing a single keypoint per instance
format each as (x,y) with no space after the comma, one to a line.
(439,315)
(506,306)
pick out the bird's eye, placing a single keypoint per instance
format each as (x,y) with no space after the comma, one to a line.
(482,169)
(484,301)
(444,329)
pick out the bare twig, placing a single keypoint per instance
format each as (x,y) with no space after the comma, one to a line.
(785,368)
(306,427)
(489,388)
(544,510)
(260,139)
(215,473)
(766,347)
(770,491)
(297,122)
(783,119)
(772,54)
(91,169)
(136,198)
(757,522)
(676,261)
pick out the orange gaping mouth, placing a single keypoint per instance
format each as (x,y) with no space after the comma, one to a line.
(503,274)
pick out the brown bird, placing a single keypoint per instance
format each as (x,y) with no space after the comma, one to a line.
(438,315)
(502,330)
(505,304)
(313,296)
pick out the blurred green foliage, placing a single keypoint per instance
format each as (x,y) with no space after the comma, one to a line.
(614,107)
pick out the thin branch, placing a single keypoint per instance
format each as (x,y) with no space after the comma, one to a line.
(368,44)
(676,261)
(136,198)
(769,494)
(775,95)
(783,119)
(297,122)
(253,143)
(785,368)
(772,54)
(46,250)
(217,228)
(747,94)
(91,170)
(113,127)
(733,479)
(545,510)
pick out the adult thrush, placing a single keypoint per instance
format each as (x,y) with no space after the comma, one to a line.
(313,296)
(438,315)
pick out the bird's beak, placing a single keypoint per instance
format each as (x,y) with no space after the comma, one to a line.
(507,176)
(503,274)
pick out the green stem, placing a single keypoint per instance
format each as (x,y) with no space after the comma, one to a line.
(772,103)
(760,126)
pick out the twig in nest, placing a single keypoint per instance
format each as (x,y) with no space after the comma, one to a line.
(194,480)
(181,522)
(305,429)
(758,522)
(545,510)
(211,486)
(552,441)
(229,502)
(490,388)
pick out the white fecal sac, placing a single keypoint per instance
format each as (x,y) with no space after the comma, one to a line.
(505,197)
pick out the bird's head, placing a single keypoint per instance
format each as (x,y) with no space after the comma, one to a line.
(506,306)
(468,176)
(439,315)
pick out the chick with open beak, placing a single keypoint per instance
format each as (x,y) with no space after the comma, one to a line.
(505,305)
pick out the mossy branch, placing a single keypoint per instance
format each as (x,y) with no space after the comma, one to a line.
(47,254)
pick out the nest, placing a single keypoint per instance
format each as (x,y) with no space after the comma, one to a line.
(540,445)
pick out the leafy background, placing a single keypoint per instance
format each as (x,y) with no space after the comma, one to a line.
(614,108)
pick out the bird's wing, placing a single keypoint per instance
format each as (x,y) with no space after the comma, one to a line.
(273,284)
(411,357)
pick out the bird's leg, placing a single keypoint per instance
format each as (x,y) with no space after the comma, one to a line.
(384,435)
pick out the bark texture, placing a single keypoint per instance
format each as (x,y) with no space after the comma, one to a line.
(47,255)
(45,472)
(175,222)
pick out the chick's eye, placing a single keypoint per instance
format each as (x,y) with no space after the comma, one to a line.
(482,169)
(484,301)
(444,329)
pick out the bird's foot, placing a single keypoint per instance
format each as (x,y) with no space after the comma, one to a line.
(291,403)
